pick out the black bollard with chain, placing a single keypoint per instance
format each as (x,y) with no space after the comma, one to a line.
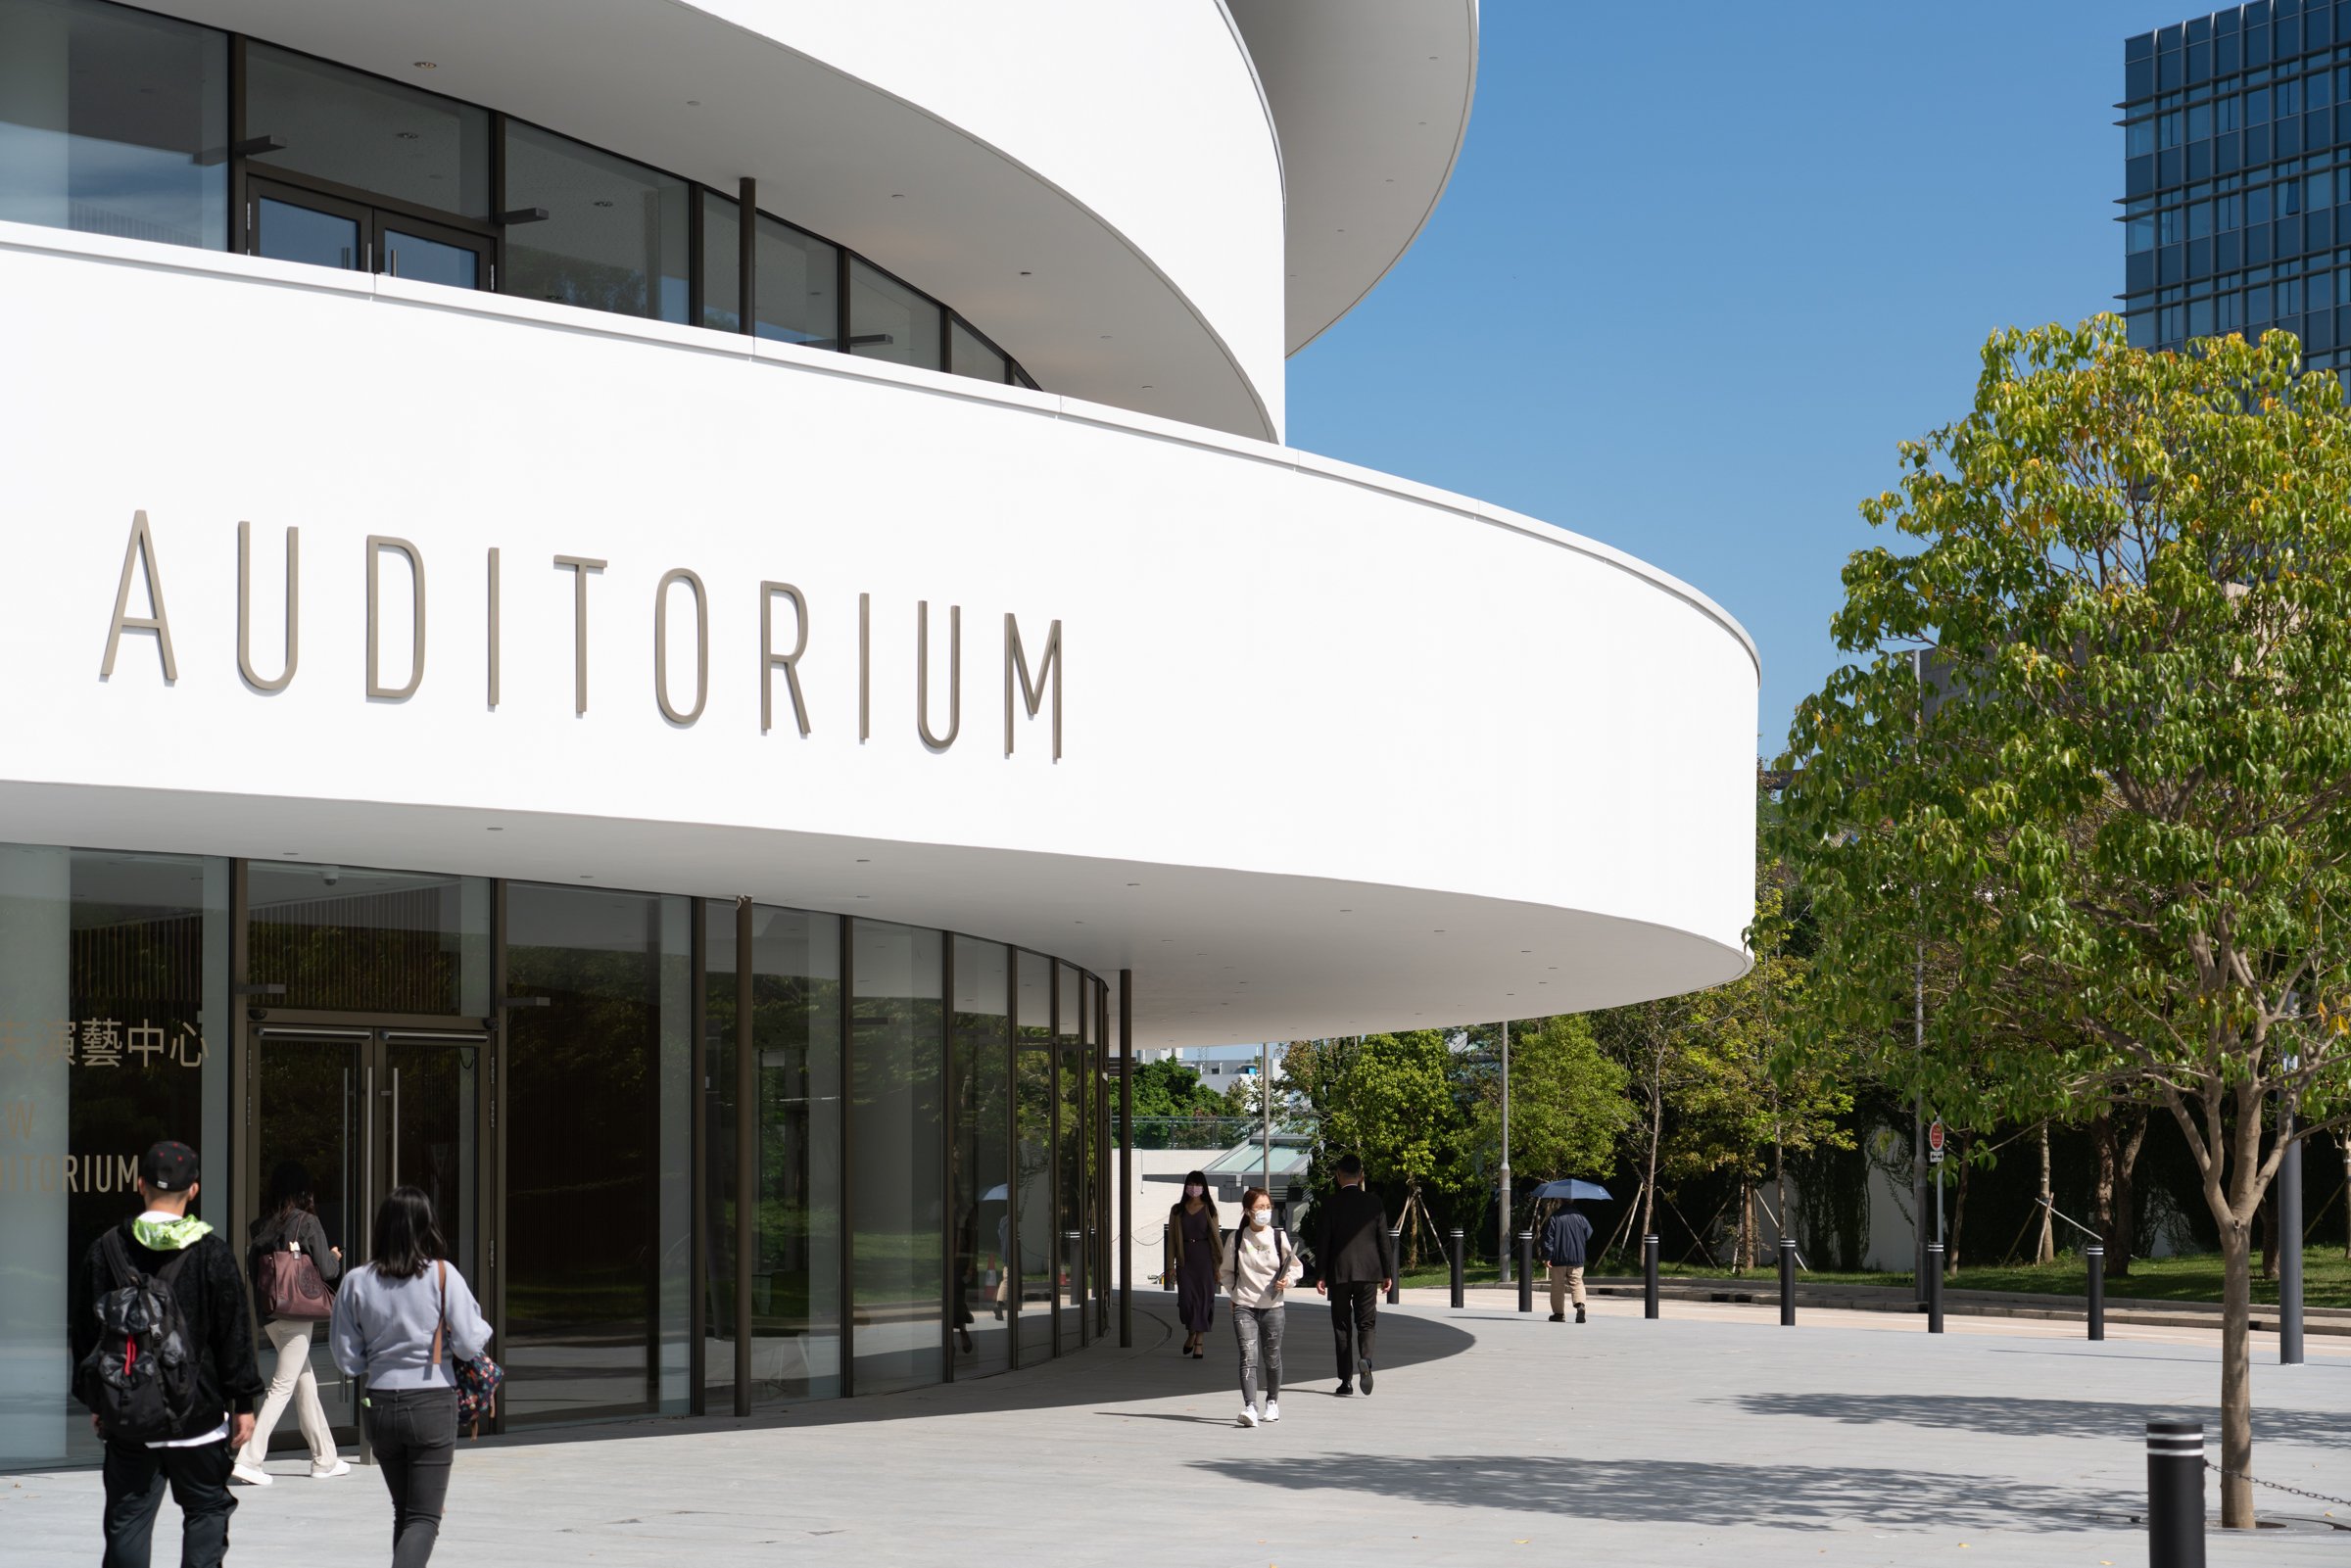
(1396,1280)
(1457,1266)
(1934,1286)
(2096,1256)
(1648,1276)
(1786,1283)
(2174,1495)
(1526,1271)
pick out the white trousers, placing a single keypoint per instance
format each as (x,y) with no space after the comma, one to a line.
(291,1379)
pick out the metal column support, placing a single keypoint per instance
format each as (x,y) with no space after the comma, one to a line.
(746,1148)
(1648,1276)
(1126,1159)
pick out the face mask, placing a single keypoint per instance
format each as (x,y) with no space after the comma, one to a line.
(1261,1217)
(1191,1191)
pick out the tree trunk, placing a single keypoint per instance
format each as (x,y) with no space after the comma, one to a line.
(2046,1251)
(1742,1256)
(2118,1139)
(2236,1377)
(1951,1254)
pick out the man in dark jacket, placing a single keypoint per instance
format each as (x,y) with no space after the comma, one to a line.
(211,1297)
(1355,1257)
(1566,1239)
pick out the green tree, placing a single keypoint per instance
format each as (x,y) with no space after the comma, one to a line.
(1166,1088)
(1388,1099)
(2136,821)
(1568,1103)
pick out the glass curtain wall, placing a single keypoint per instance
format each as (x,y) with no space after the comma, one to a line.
(887,321)
(980,1094)
(615,237)
(114,1023)
(353,939)
(114,122)
(599,1197)
(794,1132)
(795,279)
(1098,1217)
(896,1177)
(1074,1089)
(1032,1188)
(357,129)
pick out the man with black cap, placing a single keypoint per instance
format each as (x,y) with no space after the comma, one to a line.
(189,1434)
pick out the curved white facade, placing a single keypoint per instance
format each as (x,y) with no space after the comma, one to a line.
(1372,752)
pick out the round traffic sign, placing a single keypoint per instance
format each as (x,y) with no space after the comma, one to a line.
(1935,1135)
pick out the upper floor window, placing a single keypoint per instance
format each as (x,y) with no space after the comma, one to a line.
(114,122)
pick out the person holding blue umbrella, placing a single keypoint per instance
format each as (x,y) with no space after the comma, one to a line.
(1567,1243)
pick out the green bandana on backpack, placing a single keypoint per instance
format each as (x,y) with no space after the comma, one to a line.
(168,1235)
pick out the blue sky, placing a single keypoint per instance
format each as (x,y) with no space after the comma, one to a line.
(1702,266)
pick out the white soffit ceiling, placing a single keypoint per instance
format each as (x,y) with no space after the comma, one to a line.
(678,88)
(1371,99)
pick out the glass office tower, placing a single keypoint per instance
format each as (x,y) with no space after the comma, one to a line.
(2236,204)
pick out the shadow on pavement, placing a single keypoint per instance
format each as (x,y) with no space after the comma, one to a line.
(1783,1497)
(2035,1418)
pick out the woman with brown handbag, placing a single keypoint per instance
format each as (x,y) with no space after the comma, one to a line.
(293,1266)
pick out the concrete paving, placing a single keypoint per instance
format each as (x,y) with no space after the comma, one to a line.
(1713,1436)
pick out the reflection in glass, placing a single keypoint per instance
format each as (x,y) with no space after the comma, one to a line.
(1032,1191)
(1070,1215)
(114,1032)
(969,356)
(114,122)
(423,261)
(897,1267)
(598,1200)
(887,321)
(797,282)
(383,138)
(615,235)
(284,231)
(350,938)
(980,1079)
(795,1268)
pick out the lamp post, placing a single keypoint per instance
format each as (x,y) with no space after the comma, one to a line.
(1501,1224)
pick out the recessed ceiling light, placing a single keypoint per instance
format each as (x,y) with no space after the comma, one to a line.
(603,203)
(898,196)
(404,135)
(493,830)
(693,103)
(1028,274)
(587,876)
(289,851)
(865,860)
(426,65)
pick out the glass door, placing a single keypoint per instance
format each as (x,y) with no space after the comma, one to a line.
(289,223)
(361,1110)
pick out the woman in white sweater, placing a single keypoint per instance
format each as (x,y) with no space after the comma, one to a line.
(1259,1267)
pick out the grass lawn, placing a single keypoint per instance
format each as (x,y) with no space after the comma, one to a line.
(2326,1277)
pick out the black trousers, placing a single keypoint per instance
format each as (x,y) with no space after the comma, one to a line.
(134,1491)
(1354,1315)
(415,1433)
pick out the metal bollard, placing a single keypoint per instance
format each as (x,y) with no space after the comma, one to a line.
(2096,1256)
(1786,1283)
(1648,1276)
(1396,1280)
(1526,1271)
(2174,1495)
(1934,1286)
(1457,1266)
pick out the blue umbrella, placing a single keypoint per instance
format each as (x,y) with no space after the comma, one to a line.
(1574,1191)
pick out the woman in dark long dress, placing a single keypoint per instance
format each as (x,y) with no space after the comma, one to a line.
(1195,1252)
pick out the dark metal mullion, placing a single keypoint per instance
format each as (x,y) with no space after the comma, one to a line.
(1127,1158)
(840,296)
(746,1150)
(244,1075)
(746,254)
(946,1162)
(1014,1280)
(240,231)
(498,192)
(697,1246)
(848,1134)
(494,1154)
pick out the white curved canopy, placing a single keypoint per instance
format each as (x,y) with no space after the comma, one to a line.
(1371,98)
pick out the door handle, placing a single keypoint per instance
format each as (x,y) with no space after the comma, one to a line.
(391,261)
(396,1124)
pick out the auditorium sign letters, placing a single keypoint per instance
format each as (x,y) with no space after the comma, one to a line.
(1032,668)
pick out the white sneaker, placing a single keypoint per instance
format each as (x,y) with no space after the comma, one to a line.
(251,1475)
(1248,1416)
(327,1472)
(1272,1409)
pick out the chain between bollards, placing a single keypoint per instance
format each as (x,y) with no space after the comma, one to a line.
(1526,1271)
(1934,1286)
(2174,1495)
(1787,1282)
(2095,1257)
(1457,1266)
(1396,1251)
(1648,1276)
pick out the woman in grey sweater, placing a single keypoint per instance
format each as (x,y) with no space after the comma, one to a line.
(291,1225)
(402,1323)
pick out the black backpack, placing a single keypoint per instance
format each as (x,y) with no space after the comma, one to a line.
(140,1378)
